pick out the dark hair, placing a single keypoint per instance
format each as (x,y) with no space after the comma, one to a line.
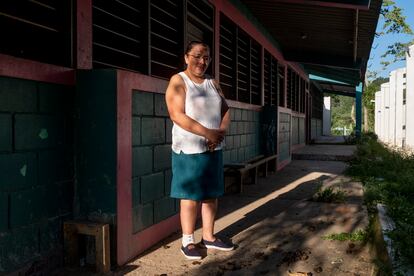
(193,43)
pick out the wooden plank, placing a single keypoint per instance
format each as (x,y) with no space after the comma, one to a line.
(103,262)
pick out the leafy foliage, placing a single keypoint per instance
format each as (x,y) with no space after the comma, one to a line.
(342,113)
(359,235)
(329,195)
(369,96)
(394,23)
(388,177)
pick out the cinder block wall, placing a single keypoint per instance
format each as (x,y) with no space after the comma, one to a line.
(36,170)
(242,141)
(298,130)
(284,136)
(151,160)
(151,155)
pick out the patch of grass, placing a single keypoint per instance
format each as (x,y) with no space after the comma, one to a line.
(357,236)
(388,177)
(330,195)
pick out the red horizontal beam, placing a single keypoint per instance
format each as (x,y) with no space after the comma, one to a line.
(33,70)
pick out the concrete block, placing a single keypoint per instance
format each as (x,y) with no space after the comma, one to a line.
(240,128)
(6,132)
(17,95)
(38,131)
(167,182)
(233,128)
(246,127)
(245,115)
(236,140)
(142,103)
(232,114)
(237,114)
(152,187)
(136,131)
(226,156)
(59,198)
(65,195)
(153,131)
(142,217)
(141,161)
(163,208)
(4,212)
(55,165)
(233,155)
(168,130)
(241,155)
(55,98)
(27,207)
(251,115)
(160,105)
(136,192)
(17,171)
(256,116)
(243,141)
(229,142)
(162,157)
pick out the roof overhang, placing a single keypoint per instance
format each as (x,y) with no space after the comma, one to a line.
(332,38)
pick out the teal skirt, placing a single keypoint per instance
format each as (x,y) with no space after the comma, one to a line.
(197,176)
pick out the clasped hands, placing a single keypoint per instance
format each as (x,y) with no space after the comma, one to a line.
(214,137)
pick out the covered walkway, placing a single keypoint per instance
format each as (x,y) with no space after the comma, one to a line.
(277,228)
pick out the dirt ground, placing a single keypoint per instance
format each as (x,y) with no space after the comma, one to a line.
(277,229)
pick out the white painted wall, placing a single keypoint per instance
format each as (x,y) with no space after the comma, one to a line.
(392,107)
(377,125)
(385,89)
(326,116)
(409,125)
(399,106)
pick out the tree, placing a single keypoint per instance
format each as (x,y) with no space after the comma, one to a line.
(341,108)
(394,23)
(368,96)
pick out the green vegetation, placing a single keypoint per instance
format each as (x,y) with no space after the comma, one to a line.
(394,23)
(357,236)
(388,178)
(330,195)
(368,98)
(342,114)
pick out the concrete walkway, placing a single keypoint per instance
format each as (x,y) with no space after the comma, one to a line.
(325,152)
(278,230)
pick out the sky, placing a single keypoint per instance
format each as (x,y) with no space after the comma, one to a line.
(380,44)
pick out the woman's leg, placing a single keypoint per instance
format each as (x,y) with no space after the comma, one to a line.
(208,215)
(188,215)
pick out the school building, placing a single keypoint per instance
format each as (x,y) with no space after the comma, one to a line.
(394,106)
(85,133)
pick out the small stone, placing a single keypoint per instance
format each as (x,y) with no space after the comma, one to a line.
(318,269)
(196,263)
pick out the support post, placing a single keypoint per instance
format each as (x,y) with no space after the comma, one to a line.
(358,109)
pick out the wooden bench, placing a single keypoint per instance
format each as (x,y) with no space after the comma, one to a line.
(259,165)
(71,230)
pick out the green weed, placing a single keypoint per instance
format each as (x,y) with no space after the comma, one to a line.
(388,177)
(330,195)
(357,236)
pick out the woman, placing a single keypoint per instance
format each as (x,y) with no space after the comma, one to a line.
(201,117)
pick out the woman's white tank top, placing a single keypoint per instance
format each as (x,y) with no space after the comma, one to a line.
(202,104)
